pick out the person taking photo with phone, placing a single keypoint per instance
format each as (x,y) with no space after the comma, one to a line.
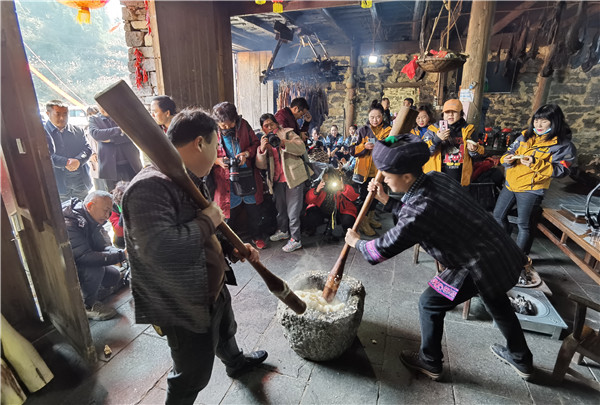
(365,170)
(452,148)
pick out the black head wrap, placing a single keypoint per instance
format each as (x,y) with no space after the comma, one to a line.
(400,154)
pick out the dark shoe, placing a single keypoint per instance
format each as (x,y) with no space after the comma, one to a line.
(502,353)
(412,360)
(250,361)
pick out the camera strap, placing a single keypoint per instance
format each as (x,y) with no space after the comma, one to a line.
(234,145)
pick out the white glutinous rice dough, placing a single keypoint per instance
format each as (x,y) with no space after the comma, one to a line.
(314,300)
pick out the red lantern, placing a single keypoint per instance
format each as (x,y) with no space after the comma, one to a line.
(83,15)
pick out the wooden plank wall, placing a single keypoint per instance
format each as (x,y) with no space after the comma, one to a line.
(35,201)
(195,52)
(252,97)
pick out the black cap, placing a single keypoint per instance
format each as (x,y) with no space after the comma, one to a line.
(400,154)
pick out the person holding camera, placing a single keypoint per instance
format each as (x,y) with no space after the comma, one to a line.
(281,154)
(237,184)
(332,200)
(364,169)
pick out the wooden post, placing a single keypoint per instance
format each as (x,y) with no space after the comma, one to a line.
(478,44)
(351,87)
(541,92)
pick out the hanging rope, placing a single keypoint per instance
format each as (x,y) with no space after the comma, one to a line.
(452,19)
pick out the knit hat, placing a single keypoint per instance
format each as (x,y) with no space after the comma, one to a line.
(400,154)
(452,105)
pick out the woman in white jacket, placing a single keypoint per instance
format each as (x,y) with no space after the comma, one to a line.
(287,171)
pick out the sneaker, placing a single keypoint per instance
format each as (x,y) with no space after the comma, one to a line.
(413,361)
(502,353)
(251,360)
(260,244)
(98,312)
(292,245)
(279,236)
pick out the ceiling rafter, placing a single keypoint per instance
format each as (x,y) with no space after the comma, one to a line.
(513,15)
(259,24)
(327,13)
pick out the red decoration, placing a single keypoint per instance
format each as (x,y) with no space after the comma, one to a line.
(146,6)
(84,6)
(141,76)
(411,67)
(438,54)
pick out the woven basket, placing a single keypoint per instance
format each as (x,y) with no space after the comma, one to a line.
(432,64)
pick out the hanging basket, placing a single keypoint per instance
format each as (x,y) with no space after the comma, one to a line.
(432,64)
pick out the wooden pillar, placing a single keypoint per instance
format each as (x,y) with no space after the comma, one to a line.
(194,41)
(351,88)
(541,92)
(478,44)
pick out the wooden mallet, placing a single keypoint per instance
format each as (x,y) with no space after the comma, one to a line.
(404,122)
(129,113)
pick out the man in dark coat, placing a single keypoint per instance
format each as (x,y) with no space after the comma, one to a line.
(93,253)
(178,265)
(288,117)
(69,152)
(118,157)
(480,258)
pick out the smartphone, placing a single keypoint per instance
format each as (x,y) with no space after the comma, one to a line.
(372,140)
(443,125)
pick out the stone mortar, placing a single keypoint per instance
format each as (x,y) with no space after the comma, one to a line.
(318,336)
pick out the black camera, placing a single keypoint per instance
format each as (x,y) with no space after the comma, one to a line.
(234,168)
(273,139)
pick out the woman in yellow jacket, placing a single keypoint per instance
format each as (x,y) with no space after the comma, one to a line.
(426,131)
(365,169)
(541,153)
(452,149)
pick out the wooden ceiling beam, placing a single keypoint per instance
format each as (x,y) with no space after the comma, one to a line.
(247,7)
(259,25)
(416,20)
(513,15)
(336,25)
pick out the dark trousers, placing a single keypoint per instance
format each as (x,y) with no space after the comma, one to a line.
(253,217)
(75,186)
(315,217)
(432,310)
(91,278)
(528,208)
(124,173)
(193,354)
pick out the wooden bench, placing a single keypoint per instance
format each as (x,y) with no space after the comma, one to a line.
(579,233)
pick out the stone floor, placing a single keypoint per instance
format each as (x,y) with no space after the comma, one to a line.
(368,373)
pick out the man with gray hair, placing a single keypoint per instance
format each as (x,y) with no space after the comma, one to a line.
(93,253)
(69,152)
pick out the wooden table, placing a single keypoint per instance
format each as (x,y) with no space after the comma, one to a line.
(579,233)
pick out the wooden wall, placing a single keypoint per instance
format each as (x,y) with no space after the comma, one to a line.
(194,41)
(253,98)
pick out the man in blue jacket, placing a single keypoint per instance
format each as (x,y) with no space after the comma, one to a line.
(94,255)
(69,152)
(479,256)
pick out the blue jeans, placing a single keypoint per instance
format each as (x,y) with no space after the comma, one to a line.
(193,353)
(528,208)
(432,311)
